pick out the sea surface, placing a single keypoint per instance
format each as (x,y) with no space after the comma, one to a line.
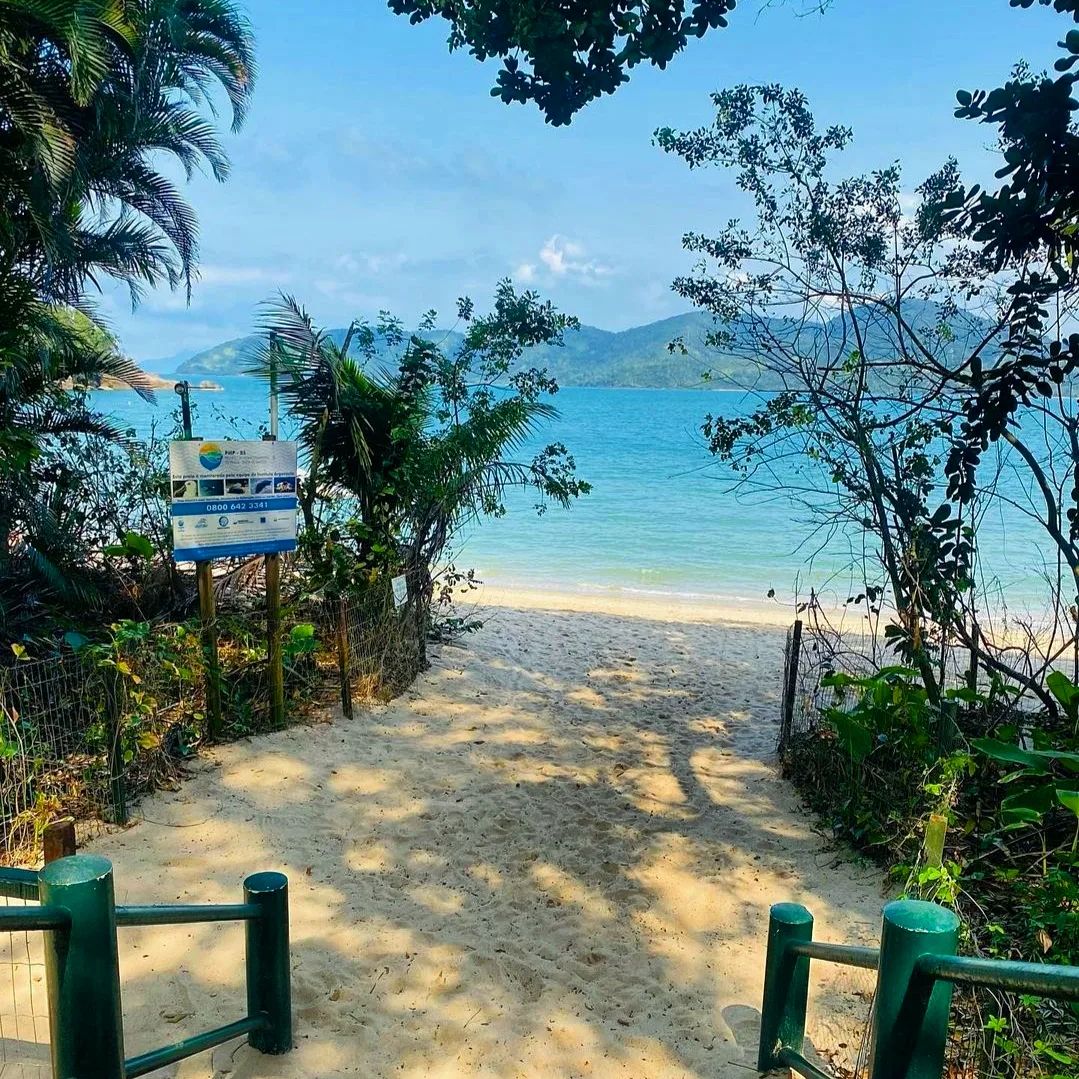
(663,518)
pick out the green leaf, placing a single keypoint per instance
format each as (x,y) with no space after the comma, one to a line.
(856,739)
(1028,805)
(1069,799)
(138,544)
(1065,691)
(1002,751)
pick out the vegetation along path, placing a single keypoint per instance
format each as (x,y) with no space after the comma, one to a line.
(554,856)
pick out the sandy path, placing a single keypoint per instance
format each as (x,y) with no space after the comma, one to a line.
(554,856)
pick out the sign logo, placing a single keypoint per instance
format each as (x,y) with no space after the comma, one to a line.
(210,455)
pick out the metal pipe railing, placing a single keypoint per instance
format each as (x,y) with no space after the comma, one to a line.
(1042,979)
(79,917)
(174,914)
(159,1058)
(788,1058)
(916,968)
(18,884)
(847,955)
(14,920)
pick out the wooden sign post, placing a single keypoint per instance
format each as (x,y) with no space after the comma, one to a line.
(273,582)
(204,575)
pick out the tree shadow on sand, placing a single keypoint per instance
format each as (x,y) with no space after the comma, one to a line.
(550,860)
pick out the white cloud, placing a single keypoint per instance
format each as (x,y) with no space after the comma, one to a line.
(562,259)
(566,258)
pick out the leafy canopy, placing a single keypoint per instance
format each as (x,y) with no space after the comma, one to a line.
(94,96)
(562,54)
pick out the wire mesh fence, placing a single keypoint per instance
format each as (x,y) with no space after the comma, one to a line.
(82,733)
(54,748)
(24,1013)
(816,647)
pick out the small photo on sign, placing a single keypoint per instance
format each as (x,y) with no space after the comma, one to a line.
(185,489)
(263,485)
(211,488)
(285,485)
(237,486)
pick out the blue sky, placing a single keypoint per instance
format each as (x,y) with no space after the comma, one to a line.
(376,172)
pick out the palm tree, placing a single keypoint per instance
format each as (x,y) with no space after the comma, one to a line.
(41,402)
(387,422)
(357,429)
(92,94)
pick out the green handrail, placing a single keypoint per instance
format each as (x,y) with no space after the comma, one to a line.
(184,915)
(159,1058)
(29,919)
(916,968)
(1041,979)
(78,914)
(18,884)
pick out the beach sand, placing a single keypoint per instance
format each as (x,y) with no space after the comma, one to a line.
(553,856)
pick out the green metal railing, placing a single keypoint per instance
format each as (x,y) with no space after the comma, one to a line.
(79,917)
(916,968)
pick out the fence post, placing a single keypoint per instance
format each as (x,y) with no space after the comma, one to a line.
(972,669)
(114,717)
(790,686)
(82,970)
(786,984)
(269,989)
(910,1016)
(344,660)
(58,839)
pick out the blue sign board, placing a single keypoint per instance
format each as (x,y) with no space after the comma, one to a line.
(232,499)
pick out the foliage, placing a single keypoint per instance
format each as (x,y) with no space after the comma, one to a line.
(1031,221)
(564,55)
(92,96)
(930,807)
(920,353)
(891,707)
(417,450)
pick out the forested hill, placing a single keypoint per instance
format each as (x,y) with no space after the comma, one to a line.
(590,357)
(638,357)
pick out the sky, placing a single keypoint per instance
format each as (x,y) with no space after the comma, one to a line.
(375,171)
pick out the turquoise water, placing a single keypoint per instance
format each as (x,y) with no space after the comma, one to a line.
(662,518)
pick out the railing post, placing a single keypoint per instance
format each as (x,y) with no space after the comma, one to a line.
(269,990)
(910,1017)
(344,660)
(58,839)
(82,970)
(790,685)
(786,984)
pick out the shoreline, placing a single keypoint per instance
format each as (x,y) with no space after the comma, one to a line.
(661,607)
(687,608)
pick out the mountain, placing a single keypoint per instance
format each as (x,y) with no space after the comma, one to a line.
(229,358)
(589,357)
(642,357)
(168,364)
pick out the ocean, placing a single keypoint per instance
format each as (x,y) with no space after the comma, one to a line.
(664,518)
